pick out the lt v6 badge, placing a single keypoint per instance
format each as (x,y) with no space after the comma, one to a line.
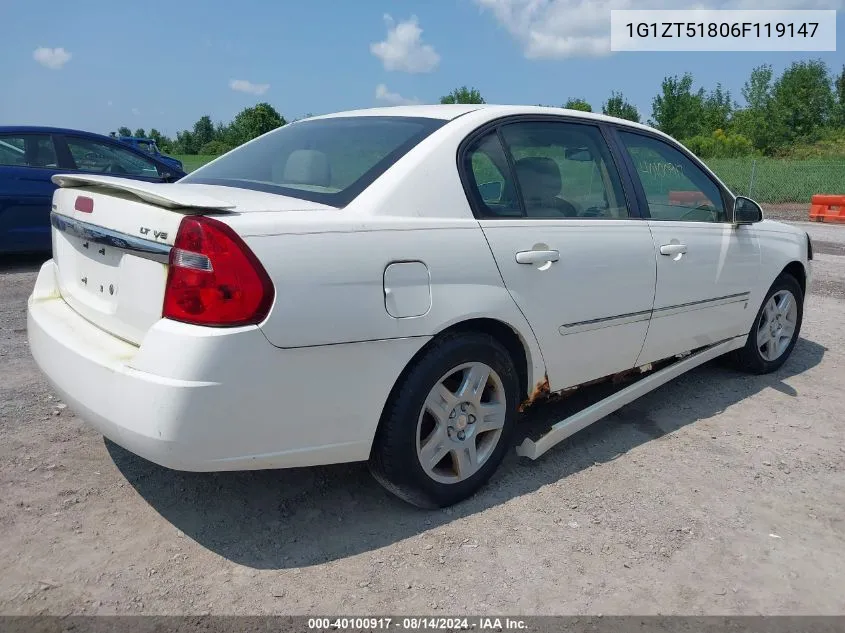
(159,235)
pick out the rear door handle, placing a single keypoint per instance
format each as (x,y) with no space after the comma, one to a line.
(673,249)
(537,257)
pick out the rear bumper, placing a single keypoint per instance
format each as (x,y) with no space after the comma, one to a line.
(205,399)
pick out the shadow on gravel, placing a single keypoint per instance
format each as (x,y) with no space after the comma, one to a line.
(302,517)
(28,263)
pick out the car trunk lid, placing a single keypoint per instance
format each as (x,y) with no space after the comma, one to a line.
(112,239)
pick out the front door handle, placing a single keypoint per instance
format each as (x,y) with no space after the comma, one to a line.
(537,257)
(673,249)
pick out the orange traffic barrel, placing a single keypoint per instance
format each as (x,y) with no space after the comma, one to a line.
(827,208)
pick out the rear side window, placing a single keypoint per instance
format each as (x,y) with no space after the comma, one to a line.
(675,187)
(28,150)
(329,161)
(546,170)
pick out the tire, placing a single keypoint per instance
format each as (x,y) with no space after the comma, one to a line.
(416,427)
(758,357)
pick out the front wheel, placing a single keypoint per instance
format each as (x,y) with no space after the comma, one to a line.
(448,423)
(775,330)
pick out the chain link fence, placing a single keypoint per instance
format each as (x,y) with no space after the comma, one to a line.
(772,181)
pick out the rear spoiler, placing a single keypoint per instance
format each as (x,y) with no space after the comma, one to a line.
(168,195)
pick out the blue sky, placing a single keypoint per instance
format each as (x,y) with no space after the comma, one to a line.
(164,64)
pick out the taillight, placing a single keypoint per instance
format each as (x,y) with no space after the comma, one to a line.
(214,278)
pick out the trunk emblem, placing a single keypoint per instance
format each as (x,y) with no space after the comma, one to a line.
(84,280)
(159,235)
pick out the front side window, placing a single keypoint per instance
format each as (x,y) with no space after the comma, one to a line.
(104,158)
(675,187)
(28,150)
(329,161)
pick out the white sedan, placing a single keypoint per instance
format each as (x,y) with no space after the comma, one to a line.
(393,285)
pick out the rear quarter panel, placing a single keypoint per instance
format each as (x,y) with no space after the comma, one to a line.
(330,286)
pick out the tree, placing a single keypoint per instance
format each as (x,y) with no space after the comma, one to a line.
(804,101)
(578,104)
(463,95)
(124,131)
(185,143)
(161,141)
(677,110)
(757,120)
(717,109)
(204,131)
(140,133)
(617,106)
(839,88)
(252,122)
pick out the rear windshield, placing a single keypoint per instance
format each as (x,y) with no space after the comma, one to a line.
(329,161)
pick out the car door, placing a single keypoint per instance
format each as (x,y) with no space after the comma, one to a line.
(706,265)
(576,260)
(111,159)
(27,161)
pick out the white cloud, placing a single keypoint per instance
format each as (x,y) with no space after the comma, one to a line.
(404,49)
(52,58)
(136,111)
(393,98)
(581,28)
(242,85)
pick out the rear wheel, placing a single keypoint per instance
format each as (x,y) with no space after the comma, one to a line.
(448,423)
(775,330)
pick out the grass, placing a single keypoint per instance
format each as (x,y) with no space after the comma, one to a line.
(193,161)
(776,180)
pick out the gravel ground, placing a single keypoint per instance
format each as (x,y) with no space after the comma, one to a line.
(719,493)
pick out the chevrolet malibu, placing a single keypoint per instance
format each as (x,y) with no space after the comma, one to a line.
(394,285)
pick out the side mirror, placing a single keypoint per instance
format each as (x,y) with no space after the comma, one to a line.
(490,191)
(746,211)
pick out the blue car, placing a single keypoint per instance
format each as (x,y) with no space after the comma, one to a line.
(149,147)
(30,156)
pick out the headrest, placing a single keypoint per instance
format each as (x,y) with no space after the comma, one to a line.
(539,177)
(307,167)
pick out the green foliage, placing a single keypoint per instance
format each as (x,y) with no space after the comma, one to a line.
(617,106)
(578,104)
(163,143)
(720,145)
(757,121)
(677,110)
(252,122)
(203,131)
(124,131)
(804,101)
(839,89)
(215,148)
(140,133)
(717,108)
(463,95)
